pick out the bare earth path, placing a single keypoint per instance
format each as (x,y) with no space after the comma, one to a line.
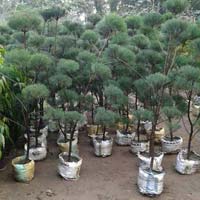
(111,178)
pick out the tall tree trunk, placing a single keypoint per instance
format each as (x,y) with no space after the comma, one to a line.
(152,145)
(70,143)
(170,129)
(104,133)
(138,130)
(191,126)
(28,134)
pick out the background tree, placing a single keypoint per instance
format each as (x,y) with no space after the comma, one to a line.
(24,22)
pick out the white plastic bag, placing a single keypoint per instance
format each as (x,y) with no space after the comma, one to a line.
(41,138)
(150,182)
(146,161)
(103,148)
(142,146)
(124,139)
(171,146)
(69,170)
(44,131)
(185,166)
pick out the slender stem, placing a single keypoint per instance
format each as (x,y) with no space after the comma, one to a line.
(138,130)
(63,132)
(170,129)
(92,110)
(152,146)
(127,117)
(36,126)
(104,132)
(191,125)
(70,142)
(26,118)
(136,100)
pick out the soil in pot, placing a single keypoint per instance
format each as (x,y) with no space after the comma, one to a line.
(72,159)
(23,162)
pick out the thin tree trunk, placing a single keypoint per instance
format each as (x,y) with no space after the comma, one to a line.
(138,131)
(136,100)
(70,143)
(104,133)
(152,146)
(170,129)
(28,135)
(92,112)
(191,126)
(127,116)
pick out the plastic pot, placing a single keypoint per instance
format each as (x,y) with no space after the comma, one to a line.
(69,170)
(185,166)
(76,133)
(23,172)
(93,130)
(52,127)
(195,110)
(173,146)
(124,139)
(159,134)
(42,138)
(37,153)
(150,182)
(64,146)
(145,160)
(103,148)
(142,146)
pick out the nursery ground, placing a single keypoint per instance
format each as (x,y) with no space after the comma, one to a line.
(111,178)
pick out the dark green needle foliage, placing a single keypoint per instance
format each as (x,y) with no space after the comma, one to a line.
(105,118)
(67,121)
(176,6)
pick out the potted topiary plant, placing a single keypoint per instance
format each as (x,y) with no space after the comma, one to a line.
(118,102)
(24,22)
(140,143)
(33,94)
(152,89)
(187,161)
(103,145)
(69,161)
(60,118)
(171,143)
(24,166)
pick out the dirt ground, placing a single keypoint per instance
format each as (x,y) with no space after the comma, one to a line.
(111,178)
